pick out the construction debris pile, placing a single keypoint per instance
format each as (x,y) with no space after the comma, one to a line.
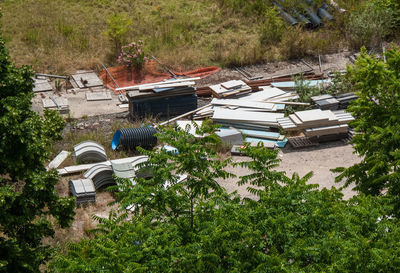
(253,116)
(99,174)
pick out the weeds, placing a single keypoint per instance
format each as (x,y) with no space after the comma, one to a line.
(62,36)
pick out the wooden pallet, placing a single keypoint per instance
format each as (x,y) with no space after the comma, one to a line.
(302,141)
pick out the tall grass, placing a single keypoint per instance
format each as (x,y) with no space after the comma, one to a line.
(61,36)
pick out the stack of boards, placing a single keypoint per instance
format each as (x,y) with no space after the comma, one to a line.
(83,190)
(173,97)
(230,88)
(318,123)
(329,102)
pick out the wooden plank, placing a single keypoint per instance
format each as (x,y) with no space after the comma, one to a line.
(58,160)
(301,142)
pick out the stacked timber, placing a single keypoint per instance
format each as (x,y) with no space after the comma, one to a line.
(169,98)
(83,190)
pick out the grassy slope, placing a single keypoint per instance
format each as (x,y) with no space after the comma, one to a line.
(61,36)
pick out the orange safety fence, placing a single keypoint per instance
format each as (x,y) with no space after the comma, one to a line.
(150,74)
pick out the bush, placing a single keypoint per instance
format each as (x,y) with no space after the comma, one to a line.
(273,28)
(369,25)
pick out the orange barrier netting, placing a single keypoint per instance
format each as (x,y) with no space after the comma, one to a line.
(125,78)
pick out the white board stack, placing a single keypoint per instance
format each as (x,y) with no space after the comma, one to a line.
(317,122)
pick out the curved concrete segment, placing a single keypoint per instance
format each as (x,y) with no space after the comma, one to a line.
(101,176)
(89,151)
(83,190)
(130,167)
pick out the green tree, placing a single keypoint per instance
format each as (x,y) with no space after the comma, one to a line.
(28,199)
(377,125)
(290,226)
(196,159)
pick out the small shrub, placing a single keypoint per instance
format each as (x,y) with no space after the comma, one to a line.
(273,28)
(369,25)
(117,29)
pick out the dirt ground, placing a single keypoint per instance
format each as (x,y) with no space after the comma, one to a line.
(320,159)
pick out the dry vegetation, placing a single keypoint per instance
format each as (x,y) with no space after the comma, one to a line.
(61,36)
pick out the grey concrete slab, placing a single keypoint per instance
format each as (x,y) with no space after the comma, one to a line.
(103,95)
(84,80)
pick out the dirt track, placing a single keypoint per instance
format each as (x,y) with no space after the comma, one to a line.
(320,160)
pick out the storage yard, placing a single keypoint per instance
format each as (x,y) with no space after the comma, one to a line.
(249,110)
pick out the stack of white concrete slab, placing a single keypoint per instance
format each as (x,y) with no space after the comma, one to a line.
(317,122)
(56,103)
(83,190)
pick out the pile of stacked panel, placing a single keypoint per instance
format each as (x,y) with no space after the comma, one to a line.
(83,190)
(325,125)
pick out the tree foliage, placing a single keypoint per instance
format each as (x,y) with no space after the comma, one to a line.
(377,125)
(27,195)
(290,226)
